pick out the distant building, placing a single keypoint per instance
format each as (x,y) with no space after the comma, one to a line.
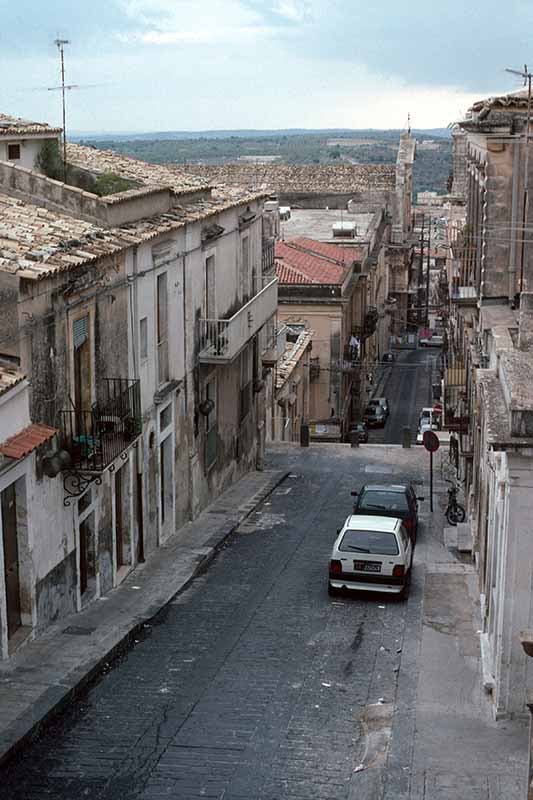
(21,141)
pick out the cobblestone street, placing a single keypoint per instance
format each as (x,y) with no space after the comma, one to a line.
(253,683)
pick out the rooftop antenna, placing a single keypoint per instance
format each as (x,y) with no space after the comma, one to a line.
(60,43)
(526,76)
(409,123)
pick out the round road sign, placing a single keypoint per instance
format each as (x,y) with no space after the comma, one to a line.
(430,440)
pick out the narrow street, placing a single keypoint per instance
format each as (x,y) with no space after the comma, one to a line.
(253,684)
(408,389)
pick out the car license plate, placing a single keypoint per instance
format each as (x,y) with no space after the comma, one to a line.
(367,566)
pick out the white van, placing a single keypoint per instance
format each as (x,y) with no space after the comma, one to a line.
(371,554)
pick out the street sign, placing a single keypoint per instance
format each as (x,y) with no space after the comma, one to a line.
(430,440)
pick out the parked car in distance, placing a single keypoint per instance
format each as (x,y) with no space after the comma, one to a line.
(359,428)
(388,358)
(429,416)
(431,341)
(426,426)
(375,416)
(389,500)
(371,553)
(380,401)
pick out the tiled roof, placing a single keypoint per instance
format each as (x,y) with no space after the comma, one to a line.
(309,178)
(342,255)
(304,261)
(15,126)
(9,377)
(26,441)
(36,242)
(98,161)
(506,102)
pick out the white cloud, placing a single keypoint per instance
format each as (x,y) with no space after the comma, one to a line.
(165,22)
(291,10)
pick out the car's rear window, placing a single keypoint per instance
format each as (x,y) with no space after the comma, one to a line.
(383,501)
(375,542)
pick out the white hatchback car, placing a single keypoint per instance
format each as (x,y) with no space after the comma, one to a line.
(371,554)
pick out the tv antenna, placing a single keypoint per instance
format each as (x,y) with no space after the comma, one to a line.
(60,43)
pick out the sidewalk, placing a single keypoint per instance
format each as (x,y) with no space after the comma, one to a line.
(40,679)
(445,744)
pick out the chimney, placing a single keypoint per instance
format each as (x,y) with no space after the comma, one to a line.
(525,321)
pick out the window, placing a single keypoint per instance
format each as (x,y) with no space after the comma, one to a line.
(245,268)
(246,385)
(162,328)
(375,542)
(211,425)
(143,336)
(13,152)
(165,417)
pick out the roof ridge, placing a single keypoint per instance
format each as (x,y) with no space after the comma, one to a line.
(316,253)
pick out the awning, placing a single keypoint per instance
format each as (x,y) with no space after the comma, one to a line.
(26,441)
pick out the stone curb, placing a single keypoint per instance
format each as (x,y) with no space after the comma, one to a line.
(55,699)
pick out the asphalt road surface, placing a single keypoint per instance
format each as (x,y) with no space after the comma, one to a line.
(408,390)
(252,684)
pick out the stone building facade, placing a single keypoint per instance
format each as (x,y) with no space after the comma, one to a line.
(142,320)
(491,268)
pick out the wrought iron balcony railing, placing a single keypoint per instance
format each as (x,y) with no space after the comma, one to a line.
(95,438)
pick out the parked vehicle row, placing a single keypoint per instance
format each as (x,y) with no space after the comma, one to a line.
(374,549)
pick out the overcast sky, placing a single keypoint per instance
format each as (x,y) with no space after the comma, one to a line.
(208,64)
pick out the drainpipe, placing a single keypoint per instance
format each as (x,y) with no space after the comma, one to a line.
(138,489)
(514,228)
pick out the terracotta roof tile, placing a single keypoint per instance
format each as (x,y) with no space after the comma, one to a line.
(315,178)
(26,441)
(15,126)
(9,377)
(305,261)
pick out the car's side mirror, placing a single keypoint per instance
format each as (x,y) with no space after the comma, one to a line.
(339,530)
(421,499)
(354,493)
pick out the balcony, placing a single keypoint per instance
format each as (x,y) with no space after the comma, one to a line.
(95,438)
(221,340)
(464,295)
(276,347)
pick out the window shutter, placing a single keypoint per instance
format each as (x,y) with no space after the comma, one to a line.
(80,331)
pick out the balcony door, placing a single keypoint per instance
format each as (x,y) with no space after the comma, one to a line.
(210,309)
(82,364)
(245,270)
(162,328)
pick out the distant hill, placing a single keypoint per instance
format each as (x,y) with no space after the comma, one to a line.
(373,133)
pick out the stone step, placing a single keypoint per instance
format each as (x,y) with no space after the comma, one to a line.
(464,537)
(450,537)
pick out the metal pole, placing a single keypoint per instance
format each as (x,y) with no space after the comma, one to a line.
(421,268)
(61,44)
(431,480)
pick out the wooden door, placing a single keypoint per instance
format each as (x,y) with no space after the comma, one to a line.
(85,538)
(11,559)
(119,520)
